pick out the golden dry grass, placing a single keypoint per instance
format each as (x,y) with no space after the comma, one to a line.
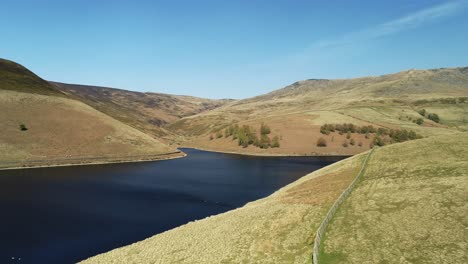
(410,207)
(62,128)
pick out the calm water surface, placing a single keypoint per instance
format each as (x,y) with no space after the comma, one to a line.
(67,214)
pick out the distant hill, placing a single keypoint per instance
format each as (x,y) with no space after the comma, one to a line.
(39,122)
(297,111)
(149,112)
(409,85)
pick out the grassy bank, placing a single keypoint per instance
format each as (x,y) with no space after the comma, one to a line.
(410,206)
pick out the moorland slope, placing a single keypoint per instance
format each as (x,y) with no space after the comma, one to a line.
(14,77)
(148,112)
(39,122)
(296,112)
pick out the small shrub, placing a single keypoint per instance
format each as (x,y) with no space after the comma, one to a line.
(378,141)
(422,112)
(412,135)
(219,134)
(321,142)
(348,135)
(264,142)
(434,117)
(345,143)
(23,127)
(275,142)
(211,137)
(419,121)
(352,142)
(382,131)
(327,128)
(360,144)
(243,140)
(264,129)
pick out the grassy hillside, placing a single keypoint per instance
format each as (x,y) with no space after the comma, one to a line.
(149,112)
(410,207)
(39,122)
(296,112)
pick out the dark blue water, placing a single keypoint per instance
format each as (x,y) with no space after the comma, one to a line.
(67,214)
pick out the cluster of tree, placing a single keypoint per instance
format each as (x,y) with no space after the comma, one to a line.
(347,128)
(381,137)
(247,135)
(451,100)
(432,116)
(321,142)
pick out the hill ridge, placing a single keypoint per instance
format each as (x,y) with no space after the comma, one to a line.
(16,77)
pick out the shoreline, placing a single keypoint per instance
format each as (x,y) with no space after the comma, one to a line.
(269,154)
(168,156)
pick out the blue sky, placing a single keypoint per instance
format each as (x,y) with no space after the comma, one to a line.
(229,49)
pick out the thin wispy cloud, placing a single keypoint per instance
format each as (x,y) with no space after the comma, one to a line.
(331,46)
(407,22)
(324,56)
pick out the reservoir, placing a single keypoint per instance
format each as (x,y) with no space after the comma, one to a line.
(67,214)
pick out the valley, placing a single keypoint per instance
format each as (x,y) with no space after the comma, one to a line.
(416,120)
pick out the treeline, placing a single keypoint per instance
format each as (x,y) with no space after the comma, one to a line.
(247,135)
(451,100)
(380,134)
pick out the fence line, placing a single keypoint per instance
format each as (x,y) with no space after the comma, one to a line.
(83,159)
(331,212)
